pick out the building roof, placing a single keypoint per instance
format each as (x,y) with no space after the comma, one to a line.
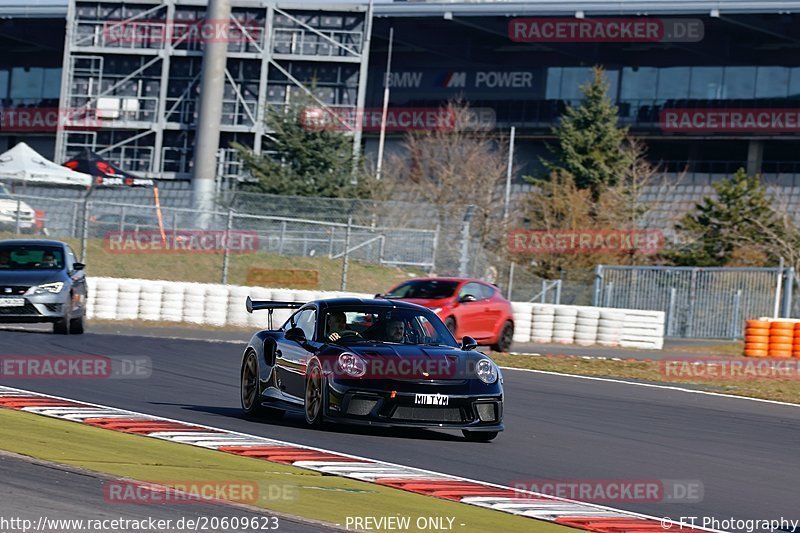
(442,8)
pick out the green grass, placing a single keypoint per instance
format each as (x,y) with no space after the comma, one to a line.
(778,389)
(207,267)
(303,493)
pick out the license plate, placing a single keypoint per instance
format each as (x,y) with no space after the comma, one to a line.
(12,302)
(431,399)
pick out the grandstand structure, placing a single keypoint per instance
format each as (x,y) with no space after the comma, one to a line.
(523,61)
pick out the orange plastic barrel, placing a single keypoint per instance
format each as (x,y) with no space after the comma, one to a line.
(796,344)
(781,338)
(756,338)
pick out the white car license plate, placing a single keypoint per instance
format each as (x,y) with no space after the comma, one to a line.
(12,302)
(431,399)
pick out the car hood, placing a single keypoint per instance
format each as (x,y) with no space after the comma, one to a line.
(404,361)
(30,278)
(9,204)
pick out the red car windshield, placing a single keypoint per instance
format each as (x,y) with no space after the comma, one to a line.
(428,289)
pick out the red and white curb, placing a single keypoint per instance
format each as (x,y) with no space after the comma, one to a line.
(584,516)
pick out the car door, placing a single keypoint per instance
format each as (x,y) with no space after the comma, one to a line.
(468,313)
(78,280)
(291,356)
(494,309)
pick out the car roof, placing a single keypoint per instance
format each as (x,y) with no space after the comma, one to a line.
(344,302)
(33,242)
(458,280)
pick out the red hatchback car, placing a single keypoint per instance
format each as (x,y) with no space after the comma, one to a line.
(466,306)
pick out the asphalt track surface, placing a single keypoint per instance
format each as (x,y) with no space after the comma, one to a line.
(744,453)
(52,493)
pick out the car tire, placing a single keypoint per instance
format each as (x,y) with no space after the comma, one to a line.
(450,322)
(61,326)
(251,407)
(314,397)
(76,326)
(479,436)
(505,338)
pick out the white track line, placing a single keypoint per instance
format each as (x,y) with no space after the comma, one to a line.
(650,385)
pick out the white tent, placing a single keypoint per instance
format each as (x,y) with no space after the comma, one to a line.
(23,163)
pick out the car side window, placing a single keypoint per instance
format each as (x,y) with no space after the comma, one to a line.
(70,259)
(473,289)
(486,292)
(306,320)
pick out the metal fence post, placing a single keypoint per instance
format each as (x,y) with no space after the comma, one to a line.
(382,249)
(510,279)
(598,285)
(464,259)
(558,292)
(737,306)
(122,220)
(345,258)
(283,235)
(85,232)
(227,253)
(16,223)
(74,225)
(673,293)
(435,248)
(788,285)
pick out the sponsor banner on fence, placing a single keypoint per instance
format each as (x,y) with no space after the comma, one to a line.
(585,241)
(605,30)
(75,367)
(182,241)
(616,490)
(181,31)
(397,119)
(46,119)
(764,120)
(730,369)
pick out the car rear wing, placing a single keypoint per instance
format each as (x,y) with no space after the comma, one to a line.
(260,305)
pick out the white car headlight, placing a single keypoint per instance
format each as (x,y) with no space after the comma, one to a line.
(486,371)
(352,365)
(53,288)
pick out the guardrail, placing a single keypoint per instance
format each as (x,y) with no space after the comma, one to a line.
(223,305)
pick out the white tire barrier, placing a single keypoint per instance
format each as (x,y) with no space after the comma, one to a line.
(120,299)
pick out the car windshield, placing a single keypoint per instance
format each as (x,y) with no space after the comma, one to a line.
(31,257)
(430,289)
(354,324)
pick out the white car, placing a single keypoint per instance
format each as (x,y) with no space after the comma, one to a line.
(8,213)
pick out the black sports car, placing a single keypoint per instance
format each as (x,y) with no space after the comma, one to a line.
(374,362)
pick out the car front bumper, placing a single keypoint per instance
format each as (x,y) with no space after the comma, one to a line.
(391,408)
(46,307)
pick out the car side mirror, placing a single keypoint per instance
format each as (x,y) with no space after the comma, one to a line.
(295,334)
(378,296)
(467,298)
(468,343)
(78,266)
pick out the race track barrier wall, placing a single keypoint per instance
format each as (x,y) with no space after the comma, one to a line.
(223,305)
(772,337)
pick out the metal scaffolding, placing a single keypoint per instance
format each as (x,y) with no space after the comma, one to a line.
(134,69)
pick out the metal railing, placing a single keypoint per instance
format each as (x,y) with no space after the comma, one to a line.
(698,302)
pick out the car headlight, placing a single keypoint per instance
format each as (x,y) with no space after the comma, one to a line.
(352,365)
(486,371)
(53,288)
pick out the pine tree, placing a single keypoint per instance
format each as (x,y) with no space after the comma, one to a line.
(303,159)
(741,215)
(591,146)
